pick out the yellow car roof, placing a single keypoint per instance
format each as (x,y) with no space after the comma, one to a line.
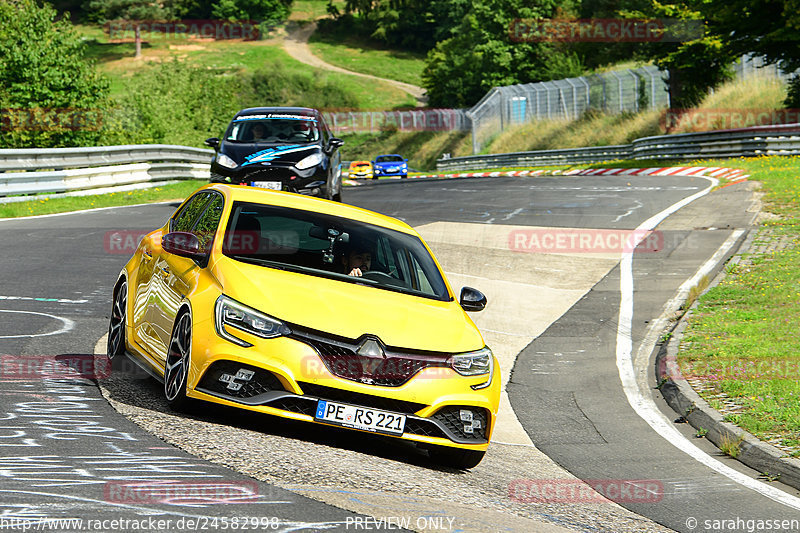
(245,193)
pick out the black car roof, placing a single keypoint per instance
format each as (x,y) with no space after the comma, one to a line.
(287,110)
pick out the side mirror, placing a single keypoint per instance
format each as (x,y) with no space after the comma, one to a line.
(183,244)
(213,142)
(333,144)
(472,299)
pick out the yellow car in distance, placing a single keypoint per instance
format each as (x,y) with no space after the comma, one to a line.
(361,169)
(308,309)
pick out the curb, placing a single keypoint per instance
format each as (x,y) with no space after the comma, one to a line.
(685,401)
(732,174)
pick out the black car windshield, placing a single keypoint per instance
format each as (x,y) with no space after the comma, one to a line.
(267,128)
(327,246)
(389,159)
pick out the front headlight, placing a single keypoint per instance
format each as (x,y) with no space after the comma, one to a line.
(228,312)
(225,161)
(309,161)
(477,363)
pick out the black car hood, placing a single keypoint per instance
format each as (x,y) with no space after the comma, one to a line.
(258,154)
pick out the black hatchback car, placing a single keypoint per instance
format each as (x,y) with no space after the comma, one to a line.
(280,148)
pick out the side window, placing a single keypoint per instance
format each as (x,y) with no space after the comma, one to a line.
(206,225)
(326,134)
(424,284)
(184,221)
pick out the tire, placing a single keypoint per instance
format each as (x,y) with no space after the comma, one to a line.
(403,176)
(176,366)
(116,322)
(456,457)
(337,197)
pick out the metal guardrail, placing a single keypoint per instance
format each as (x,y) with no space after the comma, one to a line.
(745,142)
(538,158)
(58,170)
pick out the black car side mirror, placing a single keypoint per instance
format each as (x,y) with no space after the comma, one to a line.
(183,244)
(472,299)
(333,144)
(213,142)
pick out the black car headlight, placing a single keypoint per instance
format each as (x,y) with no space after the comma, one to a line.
(309,161)
(230,313)
(225,161)
(477,363)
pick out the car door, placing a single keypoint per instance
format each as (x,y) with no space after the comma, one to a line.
(153,295)
(180,274)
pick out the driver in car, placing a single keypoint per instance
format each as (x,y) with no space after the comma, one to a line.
(356,261)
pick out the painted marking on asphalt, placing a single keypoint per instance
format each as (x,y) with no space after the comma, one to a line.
(32,299)
(66,325)
(639,397)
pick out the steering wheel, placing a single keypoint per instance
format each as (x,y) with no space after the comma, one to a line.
(378,276)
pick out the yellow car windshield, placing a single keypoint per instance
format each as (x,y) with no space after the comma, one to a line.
(323,245)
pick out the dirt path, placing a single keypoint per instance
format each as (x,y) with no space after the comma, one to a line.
(296,45)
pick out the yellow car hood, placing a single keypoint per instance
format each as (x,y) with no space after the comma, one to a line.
(348,309)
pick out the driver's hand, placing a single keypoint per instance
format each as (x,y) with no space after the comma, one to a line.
(355,272)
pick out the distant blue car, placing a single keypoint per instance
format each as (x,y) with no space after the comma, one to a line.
(390,165)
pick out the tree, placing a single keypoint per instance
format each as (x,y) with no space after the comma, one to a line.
(481,54)
(695,65)
(50,95)
(260,10)
(134,11)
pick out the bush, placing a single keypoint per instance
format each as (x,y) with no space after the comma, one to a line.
(51,96)
(174,103)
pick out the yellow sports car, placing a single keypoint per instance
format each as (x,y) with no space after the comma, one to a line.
(308,309)
(360,169)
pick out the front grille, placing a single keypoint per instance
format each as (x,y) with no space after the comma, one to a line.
(358,398)
(424,428)
(238,387)
(296,404)
(393,370)
(269,174)
(450,416)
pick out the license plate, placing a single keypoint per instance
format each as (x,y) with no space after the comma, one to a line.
(352,416)
(274,185)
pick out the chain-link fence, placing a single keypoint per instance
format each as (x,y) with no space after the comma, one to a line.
(614,92)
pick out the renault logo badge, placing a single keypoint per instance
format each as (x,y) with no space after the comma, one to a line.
(372,356)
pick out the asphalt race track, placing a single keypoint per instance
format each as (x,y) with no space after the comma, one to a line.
(570,322)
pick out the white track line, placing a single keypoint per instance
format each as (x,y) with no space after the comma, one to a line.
(640,399)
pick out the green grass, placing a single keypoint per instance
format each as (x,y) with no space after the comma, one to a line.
(360,54)
(742,338)
(174,191)
(596,128)
(116,61)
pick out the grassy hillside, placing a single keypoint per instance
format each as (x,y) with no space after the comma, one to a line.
(229,57)
(600,129)
(356,52)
